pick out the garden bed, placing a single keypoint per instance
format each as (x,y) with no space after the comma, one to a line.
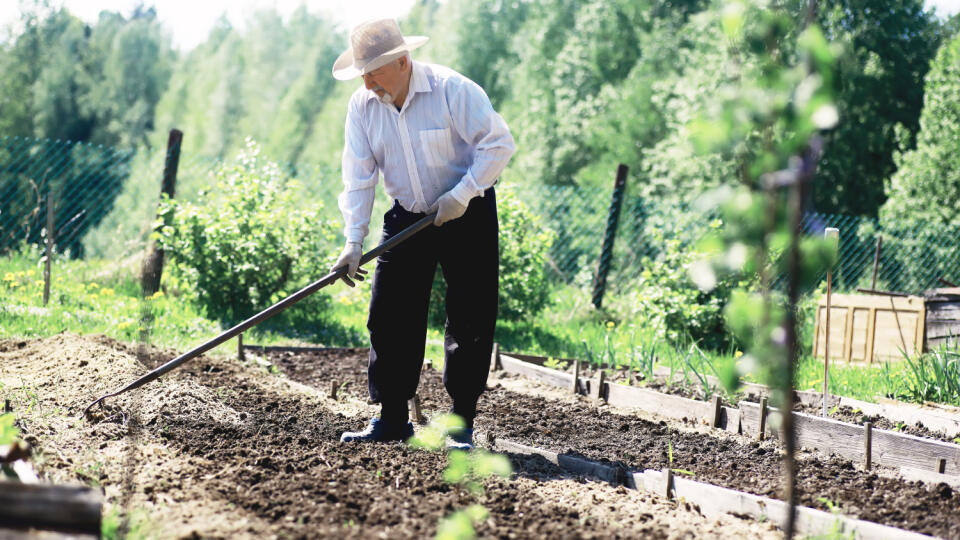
(579,426)
(221,448)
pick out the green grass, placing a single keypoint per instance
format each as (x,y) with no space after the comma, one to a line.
(102,297)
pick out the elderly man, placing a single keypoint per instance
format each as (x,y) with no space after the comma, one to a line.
(440,146)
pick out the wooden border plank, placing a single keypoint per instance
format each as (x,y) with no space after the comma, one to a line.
(573,464)
(549,376)
(665,405)
(715,500)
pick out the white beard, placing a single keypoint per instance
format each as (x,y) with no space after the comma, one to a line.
(386,98)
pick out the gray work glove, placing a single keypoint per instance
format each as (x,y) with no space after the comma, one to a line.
(447,208)
(350,257)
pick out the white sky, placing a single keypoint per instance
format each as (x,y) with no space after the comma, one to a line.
(190,20)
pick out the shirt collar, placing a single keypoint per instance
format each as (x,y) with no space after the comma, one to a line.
(418,82)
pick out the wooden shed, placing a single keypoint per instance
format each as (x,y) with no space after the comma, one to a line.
(868,328)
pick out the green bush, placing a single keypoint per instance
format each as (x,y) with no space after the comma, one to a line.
(668,298)
(524,244)
(246,243)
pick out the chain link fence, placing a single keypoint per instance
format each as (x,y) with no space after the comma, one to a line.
(105,203)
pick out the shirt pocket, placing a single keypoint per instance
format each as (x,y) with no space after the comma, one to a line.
(437,147)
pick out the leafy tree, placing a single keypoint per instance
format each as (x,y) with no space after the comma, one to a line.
(888,46)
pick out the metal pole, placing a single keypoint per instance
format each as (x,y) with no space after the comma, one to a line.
(270,311)
(49,251)
(876,262)
(606,253)
(830,234)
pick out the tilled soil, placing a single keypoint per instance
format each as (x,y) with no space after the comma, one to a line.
(580,427)
(223,449)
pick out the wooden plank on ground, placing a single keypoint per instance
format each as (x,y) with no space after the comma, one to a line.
(930,477)
(730,419)
(714,500)
(538,360)
(750,420)
(282,348)
(549,376)
(47,507)
(573,464)
(901,450)
(674,407)
(936,419)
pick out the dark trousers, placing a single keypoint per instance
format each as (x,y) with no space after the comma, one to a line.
(468,254)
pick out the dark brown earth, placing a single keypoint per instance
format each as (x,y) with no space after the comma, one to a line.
(223,449)
(583,428)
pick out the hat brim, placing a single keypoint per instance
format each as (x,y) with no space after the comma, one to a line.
(344,70)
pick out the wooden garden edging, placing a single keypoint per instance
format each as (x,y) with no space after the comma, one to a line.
(888,448)
(714,500)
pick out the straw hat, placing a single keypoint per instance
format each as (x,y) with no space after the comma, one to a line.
(373,44)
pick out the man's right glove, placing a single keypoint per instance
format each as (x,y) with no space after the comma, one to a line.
(350,257)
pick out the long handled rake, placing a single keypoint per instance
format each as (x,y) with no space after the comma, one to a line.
(339,272)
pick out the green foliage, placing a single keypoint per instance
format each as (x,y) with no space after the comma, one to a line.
(887,47)
(778,96)
(466,469)
(459,525)
(925,191)
(8,431)
(668,297)
(246,244)
(524,243)
(934,377)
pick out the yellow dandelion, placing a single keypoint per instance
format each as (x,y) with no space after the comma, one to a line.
(93,286)
(124,325)
(738,354)
(9,276)
(106,291)
(611,324)
(155,295)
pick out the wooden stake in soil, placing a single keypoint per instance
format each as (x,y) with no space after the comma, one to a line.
(668,482)
(941,465)
(152,268)
(832,234)
(763,419)
(333,390)
(495,358)
(417,412)
(240,356)
(49,254)
(601,380)
(715,409)
(7,406)
(867,445)
(576,376)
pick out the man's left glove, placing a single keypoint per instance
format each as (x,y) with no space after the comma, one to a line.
(448,208)
(350,257)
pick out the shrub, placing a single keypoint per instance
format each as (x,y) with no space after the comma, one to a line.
(246,242)
(667,297)
(524,244)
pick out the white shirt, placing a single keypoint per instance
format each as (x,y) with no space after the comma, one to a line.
(445,137)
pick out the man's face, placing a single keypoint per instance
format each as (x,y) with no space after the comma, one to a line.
(387,79)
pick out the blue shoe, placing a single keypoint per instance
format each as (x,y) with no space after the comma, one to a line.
(460,439)
(380,431)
